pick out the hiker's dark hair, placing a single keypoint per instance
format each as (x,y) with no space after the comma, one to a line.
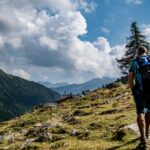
(141,50)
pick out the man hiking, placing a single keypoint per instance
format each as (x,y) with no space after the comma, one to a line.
(140,85)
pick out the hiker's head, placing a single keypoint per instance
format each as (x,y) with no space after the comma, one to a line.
(142,51)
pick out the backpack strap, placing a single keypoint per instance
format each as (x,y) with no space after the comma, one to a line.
(138,78)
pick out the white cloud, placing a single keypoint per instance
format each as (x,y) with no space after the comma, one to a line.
(85,5)
(51,43)
(105,30)
(118,51)
(49,38)
(45,78)
(134,1)
(15,42)
(21,73)
(98,58)
(1,42)
(102,44)
(146,31)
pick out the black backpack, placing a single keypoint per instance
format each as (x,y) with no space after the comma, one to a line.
(144,69)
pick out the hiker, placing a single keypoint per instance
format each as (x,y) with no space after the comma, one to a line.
(141,98)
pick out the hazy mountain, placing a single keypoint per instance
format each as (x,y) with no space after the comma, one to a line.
(78,88)
(53,85)
(18,95)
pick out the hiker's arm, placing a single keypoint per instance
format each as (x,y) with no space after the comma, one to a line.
(130,78)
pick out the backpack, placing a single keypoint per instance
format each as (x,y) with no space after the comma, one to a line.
(144,69)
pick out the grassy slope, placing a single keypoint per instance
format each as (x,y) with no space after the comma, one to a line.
(94,122)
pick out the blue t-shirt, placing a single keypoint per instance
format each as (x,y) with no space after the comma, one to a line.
(134,67)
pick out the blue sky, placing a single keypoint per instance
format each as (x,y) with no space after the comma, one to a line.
(67,40)
(116,16)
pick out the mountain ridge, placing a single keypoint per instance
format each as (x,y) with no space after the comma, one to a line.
(88,85)
(18,95)
(53,85)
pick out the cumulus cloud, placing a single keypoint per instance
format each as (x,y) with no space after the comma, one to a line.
(98,57)
(51,43)
(1,41)
(134,1)
(15,42)
(21,73)
(46,35)
(118,51)
(102,44)
(87,6)
(146,31)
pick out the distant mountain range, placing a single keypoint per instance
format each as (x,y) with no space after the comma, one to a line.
(78,88)
(18,95)
(53,85)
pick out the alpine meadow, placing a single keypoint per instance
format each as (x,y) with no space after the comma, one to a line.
(74,75)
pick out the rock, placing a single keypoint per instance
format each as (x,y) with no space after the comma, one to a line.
(1,138)
(83,135)
(7,136)
(96,113)
(22,131)
(47,126)
(74,132)
(27,143)
(70,119)
(126,93)
(45,136)
(44,132)
(37,125)
(48,137)
(133,127)
(119,97)
(21,139)
(40,128)
(10,138)
(123,133)
(32,132)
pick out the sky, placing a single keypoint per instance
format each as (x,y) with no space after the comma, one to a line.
(67,40)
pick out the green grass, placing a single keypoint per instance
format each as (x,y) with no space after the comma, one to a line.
(94,122)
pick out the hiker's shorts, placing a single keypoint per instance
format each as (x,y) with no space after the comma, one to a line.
(142,102)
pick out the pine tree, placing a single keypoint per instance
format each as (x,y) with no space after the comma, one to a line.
(133,42)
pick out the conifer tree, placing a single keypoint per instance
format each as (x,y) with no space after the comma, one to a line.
(133,42)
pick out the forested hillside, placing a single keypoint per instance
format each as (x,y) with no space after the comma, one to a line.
(18,95)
